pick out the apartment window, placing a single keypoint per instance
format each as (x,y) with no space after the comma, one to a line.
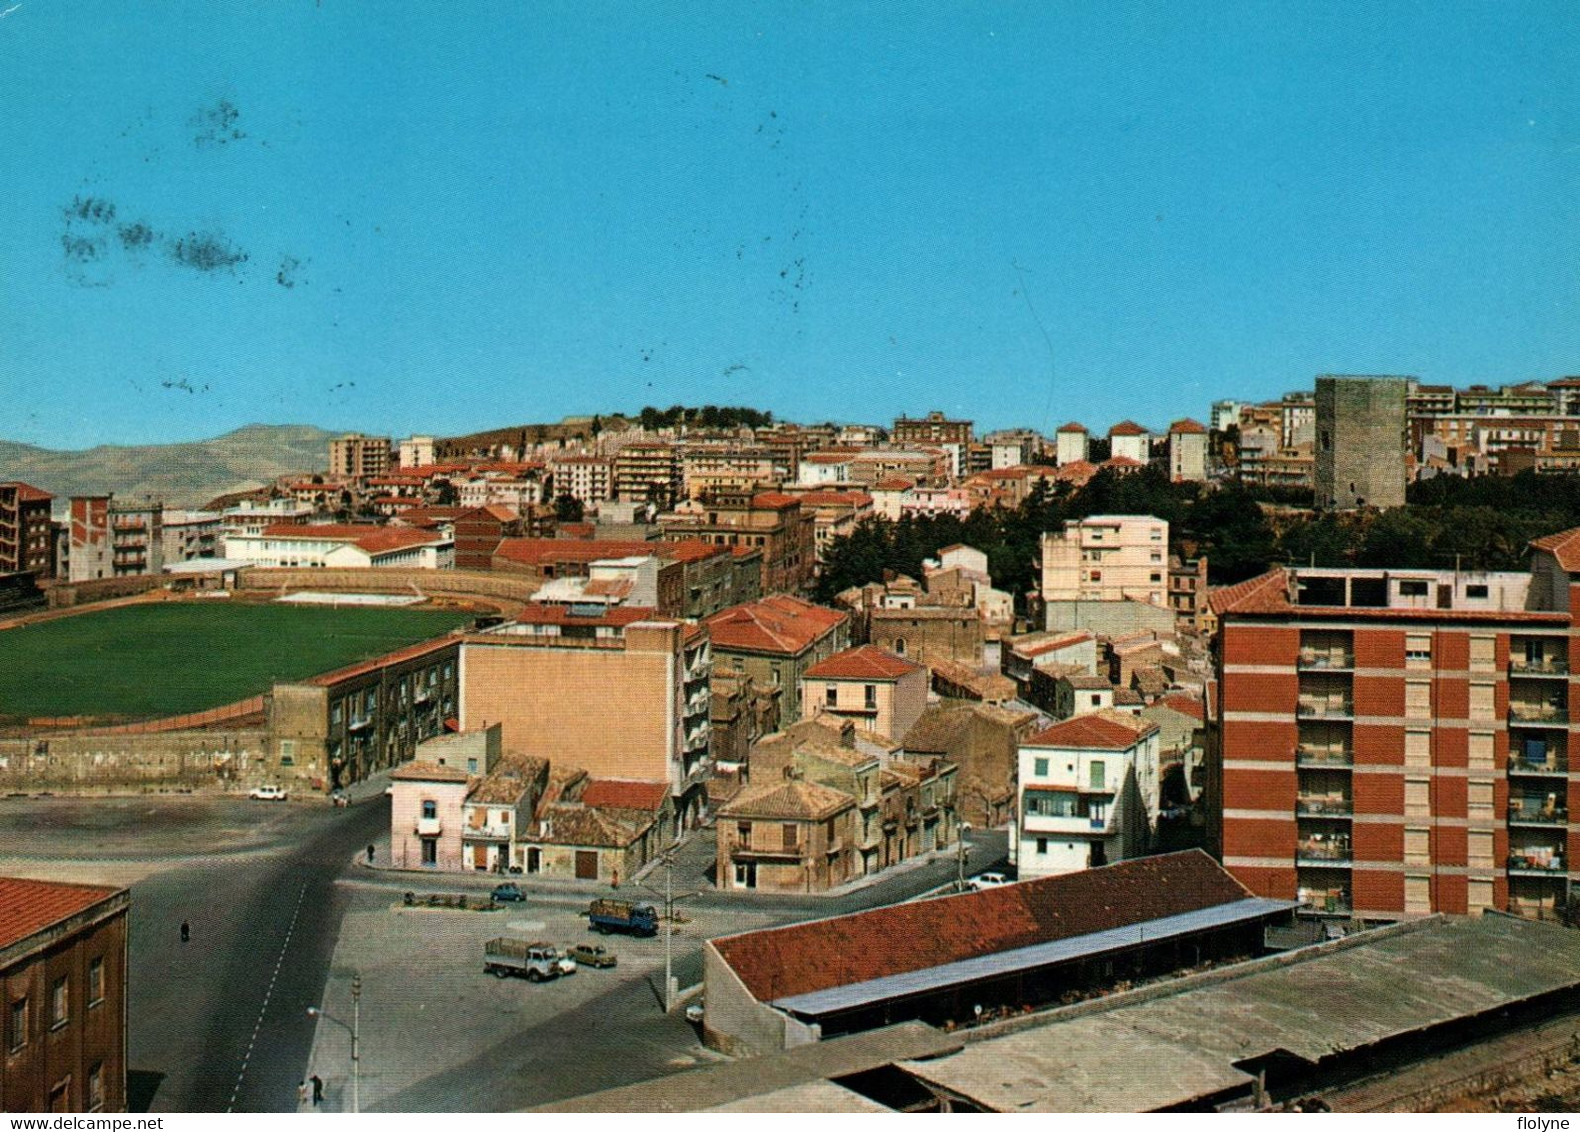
(1418,651)
(1478,893)
(743,832)
(1157,556)
(1417,798)
(334,714)
(1417,847)
(1042,846)
(430,808)
(871,692)
(18,1024)
(1155,535)
(790,835)
(899,646)
(59,1003)
(1418,748)
(1480,848)
(1417,892)
(1478,802)
(95,981)
(1483,654)
(1156,577)
(1095,576)
(95,1096)
(1483,703)
(1481,745)
(1097,699)
(1412,589)
(287,752)
(1097,774)
(1417,699)
(1039,767)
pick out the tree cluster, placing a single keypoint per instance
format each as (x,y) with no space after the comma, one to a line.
(708,416)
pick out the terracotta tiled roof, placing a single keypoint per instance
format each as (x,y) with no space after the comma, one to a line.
(1122,462)
(418,771)
(508,781)
(389,540)
(1099,731)
(27,493)
(865,662)
(774,500)
(625,795)
(1073,426)
(1185,705)
(574,825)
(29,906)
(780,962)
(1075,471)
(778,624)
(894,483)
(1188,425)
(1266,593)
(536,551)
(793,799)
(1564,546)
(835,498)
(1127,428)
(410,652)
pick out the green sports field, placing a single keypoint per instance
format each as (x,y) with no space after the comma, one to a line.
(146,661)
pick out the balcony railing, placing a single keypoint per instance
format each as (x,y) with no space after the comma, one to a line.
(1541,864)
(1552,764)
(1546,666)
(1538,813)
(1334,852)
(486,832)
(1325,661)
(1323,757)
(1538,713)
(429,827)
(1334,901)
(1324,709)
(1317,806)
(1063,823)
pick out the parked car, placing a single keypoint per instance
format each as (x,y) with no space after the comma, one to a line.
(267,794)
(564,962)
(695,1013)
(987,880)
(593,955)
(508,893)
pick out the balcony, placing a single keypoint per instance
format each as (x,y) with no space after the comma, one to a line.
(360,723)
(1549,766)
(1330,852)
(1325,709)
(1322,757)
(1529,713)
(1536,862)
(1323,806)
(697,738)
(1532,811)
(1327,901)
(1540,667)
(1069,824)
(429,827)
(1325,660)
(486,833)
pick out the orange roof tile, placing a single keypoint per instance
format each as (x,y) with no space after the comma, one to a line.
(1266,593)
(796,798)
(1122,462)
(1127,428)
(777,624)
(1072,426)
(1564,546)
(865,662)
(29,906)
(27,493)
(536,551)
(1187,425)
(1099,731)
(1185,705)
(387,540)
(801,958)
(774,500)
(618,794)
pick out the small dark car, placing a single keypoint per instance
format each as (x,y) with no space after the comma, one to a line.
(508,894)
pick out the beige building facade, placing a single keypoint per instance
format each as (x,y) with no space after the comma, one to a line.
(1107,558)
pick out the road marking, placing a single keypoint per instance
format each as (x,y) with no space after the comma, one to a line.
(267,995)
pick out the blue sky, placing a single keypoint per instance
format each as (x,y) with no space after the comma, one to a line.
(440,217)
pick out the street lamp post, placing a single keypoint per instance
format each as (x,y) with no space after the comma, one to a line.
(960,855)
(668,861)
(355,1030)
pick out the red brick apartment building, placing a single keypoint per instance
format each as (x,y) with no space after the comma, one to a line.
(62,997)
(1398,742)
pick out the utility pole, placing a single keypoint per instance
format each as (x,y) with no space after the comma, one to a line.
(669,932)
(960,855)
(356,1051)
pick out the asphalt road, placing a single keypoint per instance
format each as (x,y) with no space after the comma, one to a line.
(220,1023)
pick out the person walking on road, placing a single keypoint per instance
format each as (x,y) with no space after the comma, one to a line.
(302,1093)
(370,854)
(186,931)
(318,1089)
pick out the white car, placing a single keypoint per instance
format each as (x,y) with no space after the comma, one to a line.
(696,1012)
(987,880)
(267,794)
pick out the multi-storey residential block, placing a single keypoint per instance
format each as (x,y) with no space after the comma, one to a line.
(190,534)
(587,479)
(1224,414)
(114,539)
(27,544)
(769,521)
(835,514)
(1107,558)
(1130,441)
(775,640)
(1395,742)
(934,428)
(622,694)
(714,469)
(1072,444)
(415,451)
(1188,593)
(1361,437)
(648,472)
(1187,451)
(874,689)
(357,457)
(1088,794)
(63,971)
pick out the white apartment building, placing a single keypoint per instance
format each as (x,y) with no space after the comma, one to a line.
(1107,558)
(1071,444)
(343,545)
(589,479)
(1086,794)
(1130,440)
(1187,451)
(415,451)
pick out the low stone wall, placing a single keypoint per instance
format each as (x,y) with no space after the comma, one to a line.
(67,594)
(109,763)
(429,583)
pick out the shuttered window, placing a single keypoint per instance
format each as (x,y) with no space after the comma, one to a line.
(1417,798)
(1417,847)
(1418,748)
(1478,894)
(1480,848)
(1417,699)
(1481,750)
(1417,893)
(1483,703)
(1479,800)
(1483,654)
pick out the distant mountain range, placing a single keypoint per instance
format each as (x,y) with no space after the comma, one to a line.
(183,475)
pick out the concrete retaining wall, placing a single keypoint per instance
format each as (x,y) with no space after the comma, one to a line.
(88,763)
